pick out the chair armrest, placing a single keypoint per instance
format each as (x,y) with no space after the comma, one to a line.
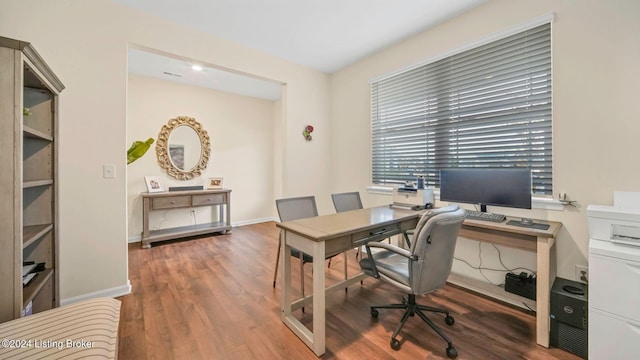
(393,248)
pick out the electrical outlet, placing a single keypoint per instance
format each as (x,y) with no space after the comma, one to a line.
(582,274)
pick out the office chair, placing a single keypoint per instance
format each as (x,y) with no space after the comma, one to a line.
(346,201)
(421,269)
(293,209)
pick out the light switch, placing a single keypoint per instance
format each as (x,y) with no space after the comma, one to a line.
(109,171)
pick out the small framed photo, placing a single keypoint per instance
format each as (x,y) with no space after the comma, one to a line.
(215,183)
(153,184)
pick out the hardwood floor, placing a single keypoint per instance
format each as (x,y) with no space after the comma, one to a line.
(212,298)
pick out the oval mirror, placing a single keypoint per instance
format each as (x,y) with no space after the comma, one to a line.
(183,148)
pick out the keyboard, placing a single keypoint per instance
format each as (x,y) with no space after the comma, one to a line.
(485,216)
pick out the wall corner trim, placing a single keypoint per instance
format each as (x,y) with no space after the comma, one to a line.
(112,293)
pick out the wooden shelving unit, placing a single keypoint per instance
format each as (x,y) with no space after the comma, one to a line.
(28,203)
(34,232)
(36,285)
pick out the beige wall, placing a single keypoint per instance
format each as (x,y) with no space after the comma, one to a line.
(242,150)
(85,43)
(596,83)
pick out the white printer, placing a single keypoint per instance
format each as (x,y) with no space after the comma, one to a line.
(408,197)
(619,223)
(614,278)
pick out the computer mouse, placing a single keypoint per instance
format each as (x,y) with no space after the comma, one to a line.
(526,221)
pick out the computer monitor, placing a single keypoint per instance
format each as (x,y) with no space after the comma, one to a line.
(510,187)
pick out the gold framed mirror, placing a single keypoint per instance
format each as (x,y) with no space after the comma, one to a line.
(183,148)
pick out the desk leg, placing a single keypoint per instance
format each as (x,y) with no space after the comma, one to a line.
(315,339)
(285,273)
(319,298)
(146,209)
(227,213)
(545,276)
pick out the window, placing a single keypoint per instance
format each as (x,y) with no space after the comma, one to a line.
(486,107)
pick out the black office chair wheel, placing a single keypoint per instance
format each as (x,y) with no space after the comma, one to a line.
(395,345)
(449,320)
(374,313)
(452,353)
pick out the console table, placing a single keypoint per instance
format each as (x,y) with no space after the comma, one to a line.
(185,199)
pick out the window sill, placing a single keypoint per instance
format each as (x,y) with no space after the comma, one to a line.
(536,202)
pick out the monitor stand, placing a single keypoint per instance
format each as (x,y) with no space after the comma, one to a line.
(524,222)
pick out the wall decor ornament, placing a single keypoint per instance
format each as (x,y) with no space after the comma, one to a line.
(307,132)
(196,148)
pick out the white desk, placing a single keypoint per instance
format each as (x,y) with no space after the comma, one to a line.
(331,234)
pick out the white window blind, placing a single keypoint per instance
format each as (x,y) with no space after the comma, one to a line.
(485,107)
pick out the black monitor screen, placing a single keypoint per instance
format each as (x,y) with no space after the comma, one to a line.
(497,187)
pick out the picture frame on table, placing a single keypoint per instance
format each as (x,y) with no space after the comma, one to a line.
(215,183)
(153,184)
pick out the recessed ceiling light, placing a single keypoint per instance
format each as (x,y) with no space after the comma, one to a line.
(196,67)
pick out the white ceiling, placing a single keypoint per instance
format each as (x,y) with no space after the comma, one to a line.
(179,70)
(326,35)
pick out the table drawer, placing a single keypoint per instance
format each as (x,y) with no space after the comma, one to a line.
(375,234)
(209,199)
(171,202)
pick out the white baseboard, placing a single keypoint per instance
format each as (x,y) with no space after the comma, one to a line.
(112,293)
(254,221)
(138,238)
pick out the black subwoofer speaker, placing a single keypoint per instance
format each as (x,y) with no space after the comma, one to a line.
(569,316)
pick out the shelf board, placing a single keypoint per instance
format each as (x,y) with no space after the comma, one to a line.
(36,183)
(30,291)
(492,291)
(32,233)
(186,231)
(36,134)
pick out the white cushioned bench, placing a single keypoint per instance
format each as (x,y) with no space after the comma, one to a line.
(88,329)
